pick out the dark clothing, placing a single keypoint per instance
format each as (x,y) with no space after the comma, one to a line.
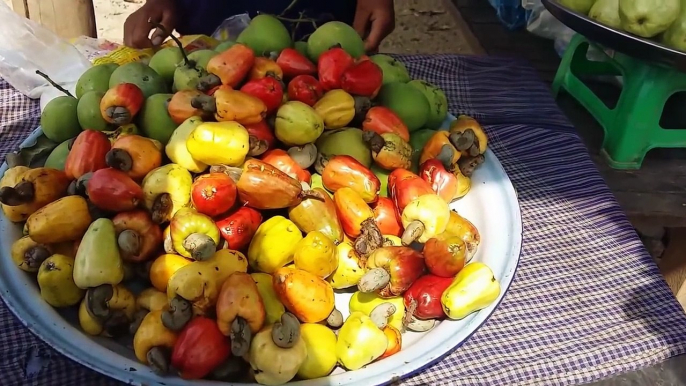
(204,16)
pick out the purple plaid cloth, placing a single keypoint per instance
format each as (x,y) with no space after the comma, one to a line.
(587,301)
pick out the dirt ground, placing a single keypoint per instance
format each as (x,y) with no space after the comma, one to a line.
(422,26)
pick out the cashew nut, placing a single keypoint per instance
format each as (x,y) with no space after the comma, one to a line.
(286,331)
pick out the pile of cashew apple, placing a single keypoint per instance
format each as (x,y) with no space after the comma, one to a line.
(281,181)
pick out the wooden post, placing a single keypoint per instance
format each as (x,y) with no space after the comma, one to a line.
(67,18)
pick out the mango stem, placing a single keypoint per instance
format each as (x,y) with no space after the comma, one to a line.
(189,63)
(53,84)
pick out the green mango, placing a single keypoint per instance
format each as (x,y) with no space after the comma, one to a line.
(223,46)
(88,112)
(265,34)
(301,47)
(393,69)
(438,103)
(407,102)
(154,119)
(98,261)
(164,62)
(382,175)
(147,79)
(202,57)
(59,119)
(417,140)
(331,34)
(96,78)
(58,156)
(191,69)
(346,141)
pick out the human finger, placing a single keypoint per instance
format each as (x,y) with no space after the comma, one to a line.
(168,21)
(361,22)
(381,27)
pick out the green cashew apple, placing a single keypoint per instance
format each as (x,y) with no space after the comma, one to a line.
(331,34)
(265,34)
(96,78)
(297,124)
(164,62)
(154,119)
(393,69)
(438,102)
(149,81)
(59,119)
(88,112)
(407,102)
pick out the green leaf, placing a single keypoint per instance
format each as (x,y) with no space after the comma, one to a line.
(34,154)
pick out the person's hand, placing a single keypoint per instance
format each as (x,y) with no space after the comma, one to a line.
(137,26)
(374,20)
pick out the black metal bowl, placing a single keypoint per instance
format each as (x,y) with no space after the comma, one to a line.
(617,40)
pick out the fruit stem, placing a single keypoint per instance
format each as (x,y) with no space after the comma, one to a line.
(290,6)
(52,82)
(176,40)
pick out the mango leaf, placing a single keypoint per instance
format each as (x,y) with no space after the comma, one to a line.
(34,154)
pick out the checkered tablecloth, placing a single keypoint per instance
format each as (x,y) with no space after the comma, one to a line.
(587,301)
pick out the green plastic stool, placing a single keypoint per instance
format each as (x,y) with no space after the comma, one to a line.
(632,128)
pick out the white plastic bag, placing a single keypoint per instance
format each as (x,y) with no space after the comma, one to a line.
(231,27)
(26,46)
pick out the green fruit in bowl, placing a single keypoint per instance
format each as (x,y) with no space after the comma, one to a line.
(265,34)
(223,46)
(96,78)
(301,47)
(297,124)
(417,140)
(648,18)
(606,12)
(201,57)
(58,156)
(438,103)
(382,175)
(331,34)
(149,81)
(580,6)
(89,114)
(59,119)
(154,120)
(407,101)
(346,141)
(164,62)
(675,35)
(393,69)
